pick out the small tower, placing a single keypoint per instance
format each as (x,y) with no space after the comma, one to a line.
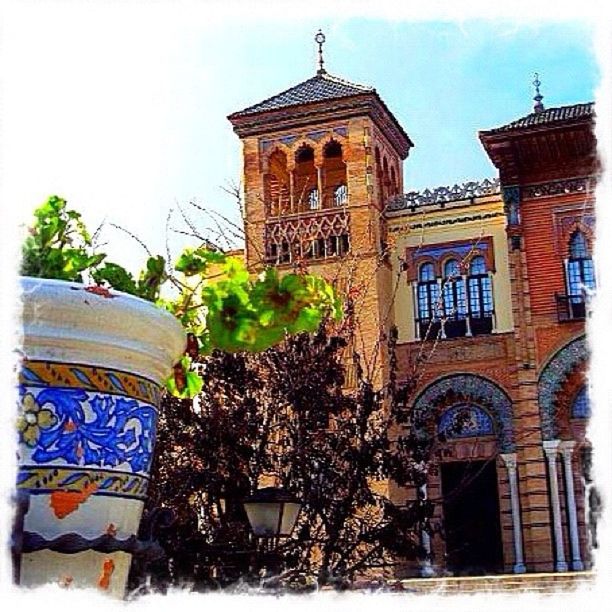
(320,161)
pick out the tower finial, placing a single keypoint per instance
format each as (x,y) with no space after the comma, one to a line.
(538,107)
(320,39)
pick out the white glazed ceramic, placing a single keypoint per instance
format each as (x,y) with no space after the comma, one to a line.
(93,366)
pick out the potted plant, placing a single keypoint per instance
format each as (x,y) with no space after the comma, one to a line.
(99,346)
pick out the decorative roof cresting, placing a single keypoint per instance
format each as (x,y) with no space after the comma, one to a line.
(444,194)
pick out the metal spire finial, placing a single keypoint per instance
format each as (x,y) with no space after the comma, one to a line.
(538,107)
(320,39)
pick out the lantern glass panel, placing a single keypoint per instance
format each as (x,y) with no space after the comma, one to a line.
(263,517)
(290,514)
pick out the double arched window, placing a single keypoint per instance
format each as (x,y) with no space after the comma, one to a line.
(455,304)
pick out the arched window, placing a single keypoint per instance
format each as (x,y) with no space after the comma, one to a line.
(454,302)
(580,275)
(465,421)
(581,408)
(333,176)
(276,184)
(480,297)
(428,305)
(305,179)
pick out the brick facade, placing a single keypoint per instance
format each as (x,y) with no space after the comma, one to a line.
(323,187)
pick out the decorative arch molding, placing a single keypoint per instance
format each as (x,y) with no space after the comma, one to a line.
(552,378)
(468,388)
(580,223)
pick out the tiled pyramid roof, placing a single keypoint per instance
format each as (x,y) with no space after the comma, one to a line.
(321,87)
(548,116)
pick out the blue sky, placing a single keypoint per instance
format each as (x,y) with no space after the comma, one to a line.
(121,108)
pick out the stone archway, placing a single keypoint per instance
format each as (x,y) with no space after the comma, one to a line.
(552,379)
(472,509)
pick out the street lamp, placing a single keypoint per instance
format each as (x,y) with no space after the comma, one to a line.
(272,512)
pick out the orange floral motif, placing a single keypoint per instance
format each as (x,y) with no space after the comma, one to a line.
(66,502)
(108,567)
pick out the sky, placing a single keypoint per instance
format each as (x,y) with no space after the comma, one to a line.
(121,108)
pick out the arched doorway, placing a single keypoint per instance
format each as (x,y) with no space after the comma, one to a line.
(471,419)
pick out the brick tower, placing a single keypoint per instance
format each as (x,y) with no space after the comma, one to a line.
(320,160)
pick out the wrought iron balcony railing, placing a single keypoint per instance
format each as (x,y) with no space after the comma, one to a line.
(455,326)
(571,307)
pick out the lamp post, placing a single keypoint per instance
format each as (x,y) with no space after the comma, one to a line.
(272,514)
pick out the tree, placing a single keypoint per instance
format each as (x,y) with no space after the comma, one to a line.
(289,412)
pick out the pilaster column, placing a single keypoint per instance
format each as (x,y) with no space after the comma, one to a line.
(509,460)
(320,185)
(550,449)
(567,448)
(426,568)
(291,189)
(468,322)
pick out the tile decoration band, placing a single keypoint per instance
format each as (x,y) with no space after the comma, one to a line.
(46,479)
(54,374)
(85,429)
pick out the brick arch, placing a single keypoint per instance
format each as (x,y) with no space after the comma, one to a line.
(457,388)
(272,151)
(577,225)
(553,377)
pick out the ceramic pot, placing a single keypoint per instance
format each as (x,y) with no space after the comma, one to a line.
(94,363)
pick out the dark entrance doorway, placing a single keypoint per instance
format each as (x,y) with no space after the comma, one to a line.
(471,518)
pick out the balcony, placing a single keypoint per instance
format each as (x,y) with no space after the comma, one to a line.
(319,235)
(570,307)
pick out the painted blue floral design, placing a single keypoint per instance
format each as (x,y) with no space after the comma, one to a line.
(465,421)
(95,429)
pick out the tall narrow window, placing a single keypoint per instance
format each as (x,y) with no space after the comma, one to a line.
(429,310)
(580,274)
(580,406)
(453,291)
(480,297)
(334,178)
